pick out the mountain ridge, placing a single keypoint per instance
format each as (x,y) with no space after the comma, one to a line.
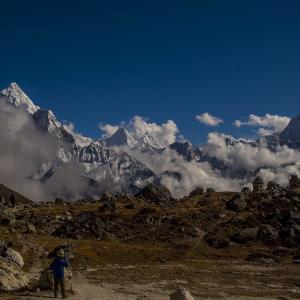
(109,161)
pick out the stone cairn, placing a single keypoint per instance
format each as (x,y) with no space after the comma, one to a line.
(294,182)
(258,185)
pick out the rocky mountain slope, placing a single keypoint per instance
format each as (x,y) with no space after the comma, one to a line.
(202,238)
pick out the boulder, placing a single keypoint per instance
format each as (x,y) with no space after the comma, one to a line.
(12,277)
(129,206)
(157,194)
(246,190)
(273,186)
(7,219)
(59,201)
(267,234)
(108,203)
(108,206)
(237,203)
(216,241)
(282,251)
(196,192)
(210,190)
(30,228)
(245,235)
(9,254)
(262,258)
(14,256)
(108,197)
(46,280)
(181,294)
(274,189)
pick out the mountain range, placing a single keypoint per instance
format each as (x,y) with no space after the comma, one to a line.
(113,163)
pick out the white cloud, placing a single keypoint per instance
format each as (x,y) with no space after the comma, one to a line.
(165,133)
(269,123)
(272,165)
(108,130)
(193,174)
(209,120)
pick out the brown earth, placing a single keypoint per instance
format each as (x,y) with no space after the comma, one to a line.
(146,254)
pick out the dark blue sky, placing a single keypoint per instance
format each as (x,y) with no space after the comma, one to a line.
(92,61)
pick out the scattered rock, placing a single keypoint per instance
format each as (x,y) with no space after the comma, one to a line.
(267,234)
(130,206)
(85,224)
(30,229)
(196,192)
(282,251)
(245,235)
(181,294)
(216,241)
(261,258)
(59,201)
(108,206)
(7,219)
(108,197)
(237,203)
(246,190)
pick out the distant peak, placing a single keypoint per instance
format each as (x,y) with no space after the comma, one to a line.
(17,97)
(14,86)
(121,130)
(45,120)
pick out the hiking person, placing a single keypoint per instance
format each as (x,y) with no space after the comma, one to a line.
(57,266)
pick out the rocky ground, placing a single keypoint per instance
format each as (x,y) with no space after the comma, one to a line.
(217,245)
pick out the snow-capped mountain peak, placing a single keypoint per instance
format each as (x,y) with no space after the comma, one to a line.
(291,134)
(17,97)
(46,121)
(149,140)
(187,150)
(121,138)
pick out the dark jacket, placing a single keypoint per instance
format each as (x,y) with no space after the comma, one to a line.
(58,266)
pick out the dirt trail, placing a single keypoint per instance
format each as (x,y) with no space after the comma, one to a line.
(83,290)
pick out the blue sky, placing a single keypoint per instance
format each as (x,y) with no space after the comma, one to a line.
(106,61)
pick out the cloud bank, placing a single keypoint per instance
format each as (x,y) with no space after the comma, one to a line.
(226,164)
(138,126)
(23,149)
(268,123)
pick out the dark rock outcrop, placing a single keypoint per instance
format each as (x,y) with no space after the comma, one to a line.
(157,194)
(237,203)
(196,192)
